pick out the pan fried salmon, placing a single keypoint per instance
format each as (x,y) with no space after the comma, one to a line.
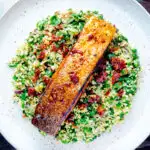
(73,75)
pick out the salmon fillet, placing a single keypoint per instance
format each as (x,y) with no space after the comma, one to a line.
(72,76)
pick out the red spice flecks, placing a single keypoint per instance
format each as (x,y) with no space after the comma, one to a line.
(101,77)
(73,77)
(31,91)
(82,106)
(41,55)
(100,110)
(76,51)
(90,37)
(108,92)
(46,79)
(94,99)
(36,75)
(115,77)
(120,92)
(118,64)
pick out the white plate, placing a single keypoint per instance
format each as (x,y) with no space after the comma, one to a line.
(129,17)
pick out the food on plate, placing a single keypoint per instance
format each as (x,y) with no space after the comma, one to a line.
(73,75)
(108,96)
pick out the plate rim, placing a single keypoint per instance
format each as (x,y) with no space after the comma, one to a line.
(140,8)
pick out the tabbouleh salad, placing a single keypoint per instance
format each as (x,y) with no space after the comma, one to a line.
(108,97)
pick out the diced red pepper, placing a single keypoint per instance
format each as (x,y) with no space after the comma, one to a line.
(118,64)
(94,99)
(35,52)
(34,79)
(47,33)
(115,77)
(31,91)
(18,91)
(46,80)
(113,49)
(70,117)
(42,55)
(72,122)
(36,75)
(43,46)
(90,91)
(54,48)
(59,26)
(55,38)
(102,64)
(101,77)
(65,52)
(82,106)
(120,92)
(37,72)
(100,110)
(108,92)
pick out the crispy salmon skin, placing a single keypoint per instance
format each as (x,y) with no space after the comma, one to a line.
(73,75)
